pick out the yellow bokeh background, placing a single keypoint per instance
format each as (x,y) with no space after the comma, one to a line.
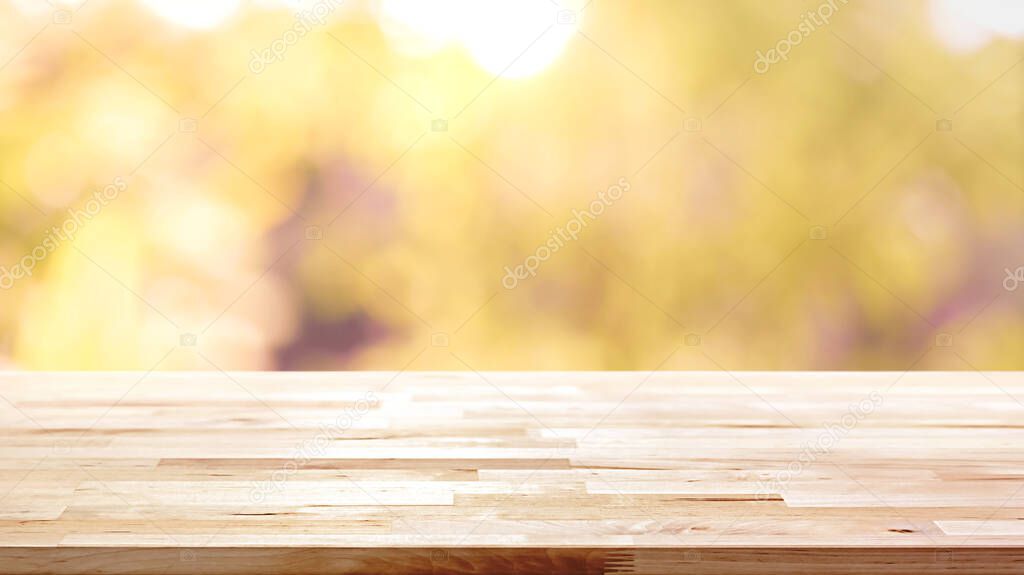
(354,201)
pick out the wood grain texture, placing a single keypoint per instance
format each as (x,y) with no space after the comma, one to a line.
(512,472)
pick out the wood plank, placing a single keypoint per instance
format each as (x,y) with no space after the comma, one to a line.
(699,472)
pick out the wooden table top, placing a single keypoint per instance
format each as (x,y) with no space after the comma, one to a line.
(703,472)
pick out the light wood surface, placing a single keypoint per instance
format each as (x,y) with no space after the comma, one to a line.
(512,472)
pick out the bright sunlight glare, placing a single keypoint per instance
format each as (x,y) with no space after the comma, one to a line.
(515,39)
(967,25)
(194,14)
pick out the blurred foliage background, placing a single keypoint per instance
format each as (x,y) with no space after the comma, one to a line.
(342,185)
